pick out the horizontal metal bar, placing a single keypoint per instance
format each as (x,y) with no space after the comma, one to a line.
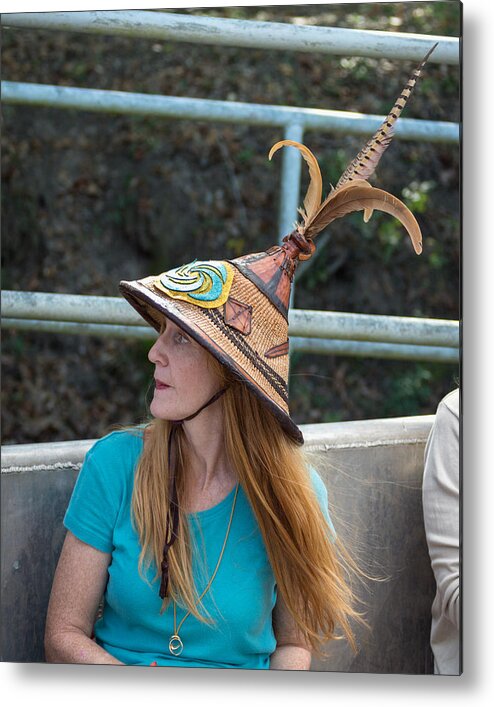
(68,308)
(374,327)
(326,347)
(176,27)
(306,323)
(364,349)
(117,331)
(106,101)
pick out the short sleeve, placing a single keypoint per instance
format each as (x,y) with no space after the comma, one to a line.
(94,504)
(322,496)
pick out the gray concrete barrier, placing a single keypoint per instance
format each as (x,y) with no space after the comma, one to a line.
(373,472)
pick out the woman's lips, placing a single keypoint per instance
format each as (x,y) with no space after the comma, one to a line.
(161,386)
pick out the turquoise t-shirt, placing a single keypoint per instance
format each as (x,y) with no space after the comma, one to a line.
(240,600)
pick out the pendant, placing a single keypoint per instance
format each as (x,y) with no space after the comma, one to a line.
(175,646)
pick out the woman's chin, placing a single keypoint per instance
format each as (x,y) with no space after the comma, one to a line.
(159,411)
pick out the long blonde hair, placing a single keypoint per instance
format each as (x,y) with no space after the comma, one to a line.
(310,567)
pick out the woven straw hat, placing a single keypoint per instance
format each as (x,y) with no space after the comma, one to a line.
(238,309)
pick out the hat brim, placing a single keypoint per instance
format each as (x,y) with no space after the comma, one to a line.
(152,307)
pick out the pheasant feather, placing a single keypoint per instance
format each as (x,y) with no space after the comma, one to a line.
(365,163)
(361,196)
(353,192)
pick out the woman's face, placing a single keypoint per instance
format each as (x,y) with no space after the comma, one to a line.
(182,364)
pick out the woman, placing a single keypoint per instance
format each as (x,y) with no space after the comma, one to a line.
(206,530)
(253,626)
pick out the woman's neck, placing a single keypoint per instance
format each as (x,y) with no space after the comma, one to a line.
(207,465)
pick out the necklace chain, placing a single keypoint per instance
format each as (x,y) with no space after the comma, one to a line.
(176,645)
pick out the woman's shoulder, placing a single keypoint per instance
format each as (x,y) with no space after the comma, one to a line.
(121,445)
(103,488)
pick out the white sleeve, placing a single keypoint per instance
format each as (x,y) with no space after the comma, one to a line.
(440,496)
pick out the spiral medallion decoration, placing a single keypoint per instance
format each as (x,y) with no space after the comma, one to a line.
(175,646)
(205,283)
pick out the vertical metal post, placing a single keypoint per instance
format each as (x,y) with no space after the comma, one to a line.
(290,185)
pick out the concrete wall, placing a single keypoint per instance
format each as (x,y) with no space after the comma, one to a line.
(373,472)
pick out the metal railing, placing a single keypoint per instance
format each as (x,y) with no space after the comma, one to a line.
(375,336)
(175,27)
(293,120)
(241,33)
(146,104)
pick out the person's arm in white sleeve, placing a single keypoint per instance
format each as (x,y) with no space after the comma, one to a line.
(441,506)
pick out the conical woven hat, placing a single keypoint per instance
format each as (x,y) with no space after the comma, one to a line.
(238,309)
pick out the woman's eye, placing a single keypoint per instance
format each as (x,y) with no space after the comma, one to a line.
(181,339)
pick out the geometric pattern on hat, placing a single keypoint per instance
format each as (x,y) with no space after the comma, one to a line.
(279,350)
(273,275)
(238,315)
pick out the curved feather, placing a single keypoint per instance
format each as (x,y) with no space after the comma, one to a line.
(361,198)
(365,163)
(313,196)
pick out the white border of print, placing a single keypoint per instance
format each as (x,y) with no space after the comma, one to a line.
(57,684)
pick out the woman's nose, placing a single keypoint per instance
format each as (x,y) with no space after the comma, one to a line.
(157,353)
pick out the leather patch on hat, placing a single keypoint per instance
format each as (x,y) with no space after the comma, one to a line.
(237,315)
(279,350)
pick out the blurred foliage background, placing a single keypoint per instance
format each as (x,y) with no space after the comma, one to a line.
(89,199)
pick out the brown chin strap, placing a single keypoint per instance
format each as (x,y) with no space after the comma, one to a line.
(171,535)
